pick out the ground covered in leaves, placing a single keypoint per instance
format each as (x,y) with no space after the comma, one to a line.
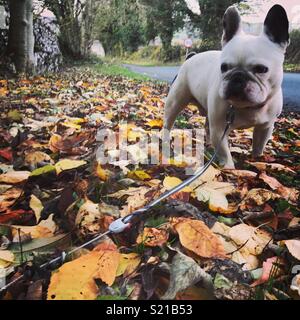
(233,234)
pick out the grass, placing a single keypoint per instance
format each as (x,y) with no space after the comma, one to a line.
(110,69)
(290,67)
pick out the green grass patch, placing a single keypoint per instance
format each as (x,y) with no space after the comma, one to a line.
(111,69)
(291,67)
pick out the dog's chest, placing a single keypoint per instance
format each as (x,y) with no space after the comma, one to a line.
(250,118)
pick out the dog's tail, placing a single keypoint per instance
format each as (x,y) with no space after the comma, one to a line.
(188,56)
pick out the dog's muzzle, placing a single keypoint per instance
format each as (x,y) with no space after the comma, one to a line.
(237,82)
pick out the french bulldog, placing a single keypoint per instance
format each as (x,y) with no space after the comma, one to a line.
(247,74)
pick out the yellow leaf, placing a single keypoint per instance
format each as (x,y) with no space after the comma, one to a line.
(172,182)
(14,115)
(155,123)
(37,206)
(101,173)
(195,236)
(6,259)
(68,164)
(128,264)
(7,256)
(75,280)
(72,125)
(139,174)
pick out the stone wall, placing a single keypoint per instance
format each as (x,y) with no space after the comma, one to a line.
(47,53)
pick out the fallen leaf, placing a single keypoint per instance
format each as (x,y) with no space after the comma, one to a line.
(9,197)
(215,194)
(157,123)
(270,269)
(37,206)
(257,197)
(185,272)
(255,240)
(43,170)
(75,280)
(6,154)
(262,166)
(45,229)
(139,174)
(15,115)
(6,258)
(287,193)
(101,173)
(172,182)
(90,218)
(240,173)
(294,248)
(67,164)
(14,177)
(195,236)
(153,237)
(36,158)
(295,285)
(128,264)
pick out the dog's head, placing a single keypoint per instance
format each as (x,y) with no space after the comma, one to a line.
(252,66)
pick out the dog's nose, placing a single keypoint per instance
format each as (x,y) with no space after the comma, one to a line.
(236,85)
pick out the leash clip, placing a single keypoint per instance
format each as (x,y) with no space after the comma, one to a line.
(118,226)
(230,115)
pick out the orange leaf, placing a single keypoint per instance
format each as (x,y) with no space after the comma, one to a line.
(195,236)
(75,280)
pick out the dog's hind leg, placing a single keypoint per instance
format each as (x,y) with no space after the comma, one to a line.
(178,98)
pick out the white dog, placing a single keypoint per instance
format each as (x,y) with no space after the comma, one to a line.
(246,74)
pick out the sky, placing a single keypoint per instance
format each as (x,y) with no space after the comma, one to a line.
(292,7)
(261,7)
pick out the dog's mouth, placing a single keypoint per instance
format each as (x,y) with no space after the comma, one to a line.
(247,95)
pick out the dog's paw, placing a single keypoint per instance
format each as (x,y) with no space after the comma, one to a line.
(229,164)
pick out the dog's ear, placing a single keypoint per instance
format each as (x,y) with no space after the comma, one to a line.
(231,24)
(276,26)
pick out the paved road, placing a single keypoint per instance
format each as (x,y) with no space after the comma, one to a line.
(291,83)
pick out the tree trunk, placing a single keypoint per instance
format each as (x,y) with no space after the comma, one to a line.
(21,38)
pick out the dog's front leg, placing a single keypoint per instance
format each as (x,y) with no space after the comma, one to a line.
(224,155)
(261,136)
(178,98)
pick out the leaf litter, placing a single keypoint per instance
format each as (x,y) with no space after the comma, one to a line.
(232,234)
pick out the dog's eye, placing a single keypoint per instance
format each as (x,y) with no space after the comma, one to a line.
(224,67)
(260,69)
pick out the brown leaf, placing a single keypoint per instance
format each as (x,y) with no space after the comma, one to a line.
(153,237)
